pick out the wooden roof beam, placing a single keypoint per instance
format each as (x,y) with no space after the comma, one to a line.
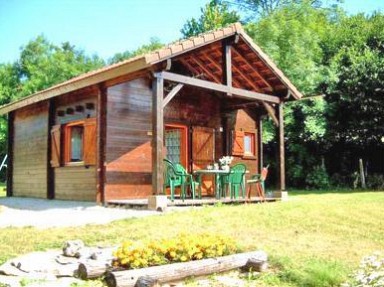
(240,93)
(217,66)
(251,66)
(204,68)
(172,94)
(227,63)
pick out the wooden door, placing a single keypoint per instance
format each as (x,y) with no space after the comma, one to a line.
(203,154)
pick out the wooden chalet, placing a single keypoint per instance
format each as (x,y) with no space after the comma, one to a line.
(103,135)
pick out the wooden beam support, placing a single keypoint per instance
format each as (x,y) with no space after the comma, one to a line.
(50,169)
(10,146)
(101,142)
(242,106)
(227,64)
(216,87)
(172,94)
(271,112)
(157,134)
(216,65)
(260,142)
(280,113)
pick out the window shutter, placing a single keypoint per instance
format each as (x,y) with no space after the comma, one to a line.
(55,146)
(237,142)
(90,143)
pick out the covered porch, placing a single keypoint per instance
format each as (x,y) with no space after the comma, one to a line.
(209,103)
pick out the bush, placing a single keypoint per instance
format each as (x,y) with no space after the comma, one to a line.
(318,178)
(375,181)
(132,255)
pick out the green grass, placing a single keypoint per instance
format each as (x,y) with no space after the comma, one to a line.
(2,189)
(315,239)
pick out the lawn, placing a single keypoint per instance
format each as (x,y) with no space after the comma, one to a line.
(2,189)
(314,239)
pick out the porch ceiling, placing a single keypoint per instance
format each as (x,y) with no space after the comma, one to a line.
(249,71)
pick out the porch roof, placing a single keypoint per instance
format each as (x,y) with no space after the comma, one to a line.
(202,56)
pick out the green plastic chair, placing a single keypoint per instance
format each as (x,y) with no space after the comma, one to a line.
(235,180)
(175,175)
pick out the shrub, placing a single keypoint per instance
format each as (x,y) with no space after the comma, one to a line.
(318,178)
(181,248)
(375,181)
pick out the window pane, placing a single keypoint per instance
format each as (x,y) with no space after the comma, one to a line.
(248,144)
(173,144)
(77,143)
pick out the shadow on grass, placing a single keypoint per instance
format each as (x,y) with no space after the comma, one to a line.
(328,191)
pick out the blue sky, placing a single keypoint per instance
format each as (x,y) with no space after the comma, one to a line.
(106,27)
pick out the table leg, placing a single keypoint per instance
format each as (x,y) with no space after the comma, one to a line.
(200,184)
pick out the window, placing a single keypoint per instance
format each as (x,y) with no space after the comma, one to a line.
(75,139)
(244,143)
(74,143)
(249,144)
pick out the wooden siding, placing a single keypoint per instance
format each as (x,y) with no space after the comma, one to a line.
(75,183)
(245,121)
(30,151)
(128,146)
(197,108)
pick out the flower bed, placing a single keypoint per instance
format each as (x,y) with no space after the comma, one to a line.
(182,248)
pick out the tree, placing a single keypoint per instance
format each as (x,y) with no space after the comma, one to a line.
(41,65)
(264,8)
(292,35)
(355,52)
(154,44)
(214,15)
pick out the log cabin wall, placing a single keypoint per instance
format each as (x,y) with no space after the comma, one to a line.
(242,120)
(128,145)
(30,151)
(197,108)
(75,182)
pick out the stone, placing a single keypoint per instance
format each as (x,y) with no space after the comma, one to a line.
(72,248)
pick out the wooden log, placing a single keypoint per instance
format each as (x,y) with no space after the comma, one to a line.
(179,271)
(146,281)
(258,264)
(94,269)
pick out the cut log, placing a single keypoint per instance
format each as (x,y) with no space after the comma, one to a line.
(179,271)
(258,264)
(146,281)
(92,269)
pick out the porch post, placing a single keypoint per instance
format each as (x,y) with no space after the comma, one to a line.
(11,119)
(50,169)
(157,135)
(260,144)
(281,193)
(101,142)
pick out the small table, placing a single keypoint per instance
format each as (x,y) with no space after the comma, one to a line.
(217,173)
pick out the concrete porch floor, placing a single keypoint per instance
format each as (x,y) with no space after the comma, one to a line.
(143,203)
